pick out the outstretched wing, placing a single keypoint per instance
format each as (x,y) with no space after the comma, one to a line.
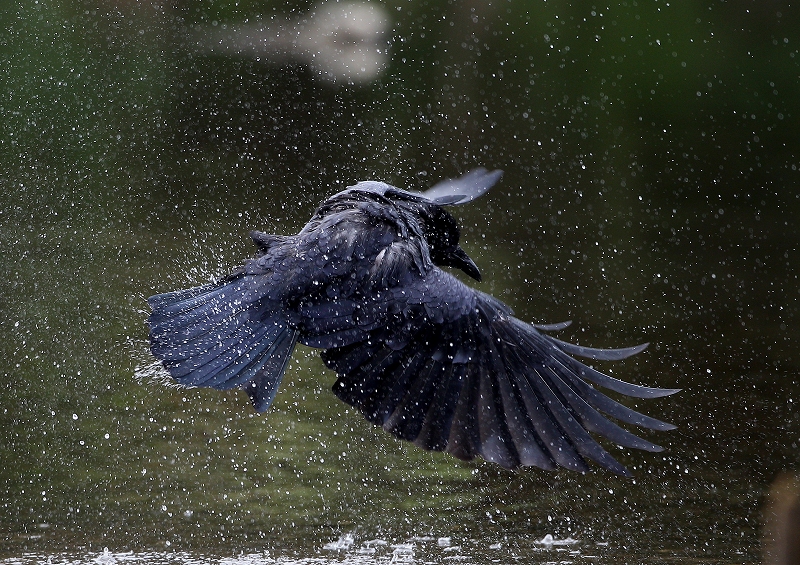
(452,370)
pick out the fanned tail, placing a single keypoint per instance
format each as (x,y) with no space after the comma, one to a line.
(217,336)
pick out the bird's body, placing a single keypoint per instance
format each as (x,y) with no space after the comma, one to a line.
(420,353)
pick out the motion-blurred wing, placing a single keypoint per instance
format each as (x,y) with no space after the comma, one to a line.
(463,189)
(456,372)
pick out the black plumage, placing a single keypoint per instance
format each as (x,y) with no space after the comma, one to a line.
(418,352)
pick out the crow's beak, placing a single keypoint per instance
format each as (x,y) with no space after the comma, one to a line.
(460,260)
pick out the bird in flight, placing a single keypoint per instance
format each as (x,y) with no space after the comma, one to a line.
(418,352)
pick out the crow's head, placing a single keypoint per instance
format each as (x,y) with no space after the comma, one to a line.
(439,228)
(442,233)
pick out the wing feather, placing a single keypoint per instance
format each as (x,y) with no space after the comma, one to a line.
(456,372)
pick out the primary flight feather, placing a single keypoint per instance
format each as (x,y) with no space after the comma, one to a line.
(418,352)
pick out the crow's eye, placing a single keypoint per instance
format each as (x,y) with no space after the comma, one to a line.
(441,229)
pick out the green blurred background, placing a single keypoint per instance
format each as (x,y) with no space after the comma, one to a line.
(650,194)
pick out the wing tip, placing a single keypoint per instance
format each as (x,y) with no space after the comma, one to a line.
(662,392)
(463,189)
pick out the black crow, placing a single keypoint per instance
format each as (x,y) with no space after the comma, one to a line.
(418,352)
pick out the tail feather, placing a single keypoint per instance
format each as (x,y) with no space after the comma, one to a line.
(195,314)
(220,336)
(160,301)
(207,370)
(168,305)
(208,325)
(190,358)
(263,387)
(190,342)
